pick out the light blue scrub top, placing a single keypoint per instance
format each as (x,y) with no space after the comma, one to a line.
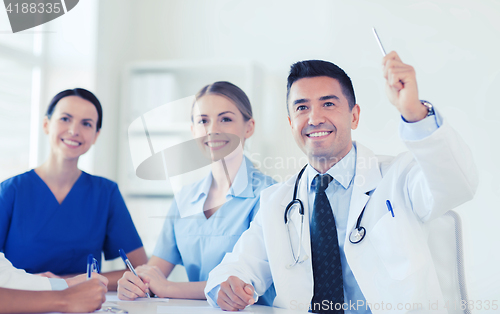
(199,243)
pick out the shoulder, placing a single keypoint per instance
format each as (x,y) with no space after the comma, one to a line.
(99,183)
(279,189)
(259,180)
(385,163)
(397,163)
(15,181)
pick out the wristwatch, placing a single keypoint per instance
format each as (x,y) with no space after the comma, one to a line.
(429,106)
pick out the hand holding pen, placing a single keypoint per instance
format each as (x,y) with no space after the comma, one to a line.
(92,272)
(401,85)
(131,268)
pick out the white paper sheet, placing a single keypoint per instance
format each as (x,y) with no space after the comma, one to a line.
(114,298)
(189,309)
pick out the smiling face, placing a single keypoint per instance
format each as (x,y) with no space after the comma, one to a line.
(72,127)
(219,126)
(321,120)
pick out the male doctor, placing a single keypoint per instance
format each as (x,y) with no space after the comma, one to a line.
(388,265)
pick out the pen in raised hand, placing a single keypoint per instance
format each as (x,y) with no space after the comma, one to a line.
(379,42)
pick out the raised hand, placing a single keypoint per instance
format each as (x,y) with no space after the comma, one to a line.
(401,88)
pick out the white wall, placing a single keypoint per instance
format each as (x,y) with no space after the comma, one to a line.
(454,46)
(69,56)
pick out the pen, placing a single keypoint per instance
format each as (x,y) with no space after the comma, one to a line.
(92,266)
(378,41)
(389,207)
(383,53)
(129,265)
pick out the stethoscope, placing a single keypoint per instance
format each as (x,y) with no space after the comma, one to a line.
(357,234)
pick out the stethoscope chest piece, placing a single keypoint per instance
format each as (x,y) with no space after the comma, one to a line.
(357,235)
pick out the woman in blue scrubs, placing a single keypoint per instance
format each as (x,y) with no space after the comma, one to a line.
(206,218)
(52,217)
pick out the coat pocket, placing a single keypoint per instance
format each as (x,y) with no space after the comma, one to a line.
(400,244)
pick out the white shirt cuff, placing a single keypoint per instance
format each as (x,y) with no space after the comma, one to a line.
(212,296)
(419,130)
(58,283)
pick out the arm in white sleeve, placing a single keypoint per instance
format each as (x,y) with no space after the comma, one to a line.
(444,175)
(248,261)
(414,131)
(13,278)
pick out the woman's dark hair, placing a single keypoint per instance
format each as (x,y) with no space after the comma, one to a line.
(231,91)
(82,93)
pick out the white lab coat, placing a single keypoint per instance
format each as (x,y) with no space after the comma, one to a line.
(13,278)
(393,264)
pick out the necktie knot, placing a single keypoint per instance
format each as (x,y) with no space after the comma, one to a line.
(321,182)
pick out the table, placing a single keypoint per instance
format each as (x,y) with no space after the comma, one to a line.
(177,306)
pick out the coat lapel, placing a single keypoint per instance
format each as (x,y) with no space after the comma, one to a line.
(298,287)
(366,179)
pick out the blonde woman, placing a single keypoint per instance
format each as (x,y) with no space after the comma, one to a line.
(225,202)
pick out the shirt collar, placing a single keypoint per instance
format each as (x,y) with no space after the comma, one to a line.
(342,171)
(241,187)
(200,189)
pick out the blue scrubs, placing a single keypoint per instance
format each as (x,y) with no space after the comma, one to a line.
(38,234)
(188,238)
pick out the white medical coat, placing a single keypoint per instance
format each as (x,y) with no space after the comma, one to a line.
(393,264)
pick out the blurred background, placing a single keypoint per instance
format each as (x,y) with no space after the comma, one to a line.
(137,55)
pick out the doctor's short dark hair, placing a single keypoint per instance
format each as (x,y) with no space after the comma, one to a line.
(82,93)
(314,68)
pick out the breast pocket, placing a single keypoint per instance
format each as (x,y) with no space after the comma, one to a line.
(400,244)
